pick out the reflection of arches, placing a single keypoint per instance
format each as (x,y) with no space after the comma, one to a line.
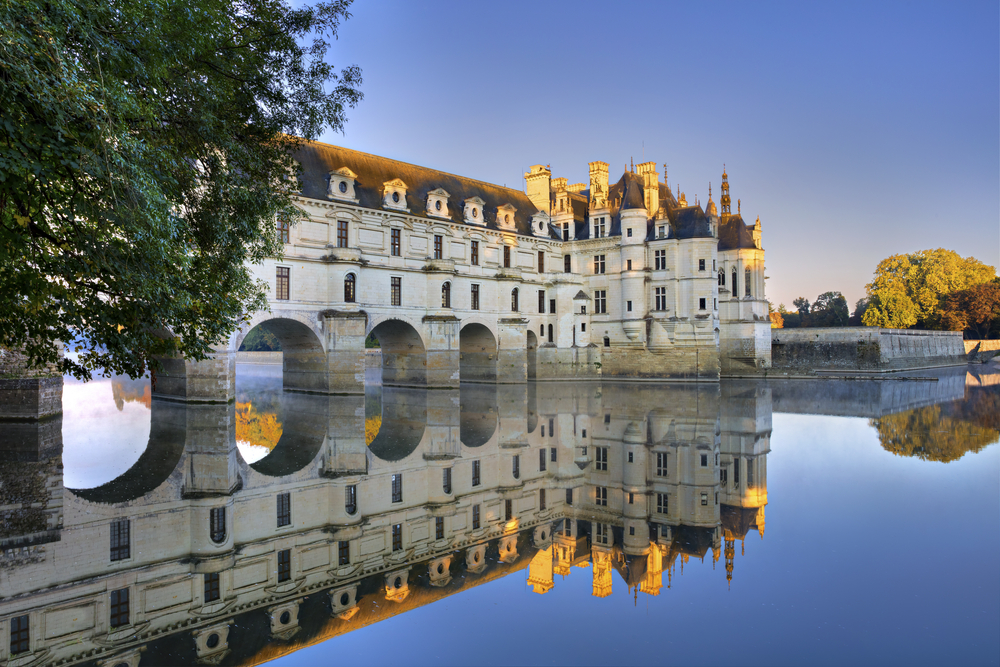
(478,360)
(478,417)
(404,418)
(304,420)
(532,354)
(404,358)
(303,360)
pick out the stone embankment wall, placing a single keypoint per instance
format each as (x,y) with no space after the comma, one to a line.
(984,345)
(865,349)
(25,393)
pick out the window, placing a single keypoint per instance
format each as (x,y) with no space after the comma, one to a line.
(282,283)
(446,480)
(551,338)
(506,256)
(661,464)
(607,417)
(438,243)
(439,528)
(567,264)
(599,263)
(630,457)
(701,265)
(350,285)
(600,302)
(601,463)
(569,500)
(565,230)
(474,253)
(552,454)
(661,503)
(722,278)
(701,303)
(397,488)
(342,186)
(601,536)
(599,229)
(120,540)
(628,232)
(631,530)
(212,587)
(661,298)
(704,460)
(394,244)
(284,565)
(516,466)
(284,509)
(746,282)
(704,499)
(723,476)
(601,496)
(552,306)
(749,473)
(446,295)
(607,342)
(628,264)
(660,260)
(19,637)
(541,302)
(344,552)
(119,608)
(396,291)
(514,305)
(217,524)
(583,326)
(508,509)
(475,517)
(342,233)
(397,537)
(351,500)
(541,460)
(283,232)
(541,499)
(541,262)
(475,297)
(552,428)
(568,527)
(736,472)
(475,473)
(631,498)
(662,232)
(735,287)
(628,306)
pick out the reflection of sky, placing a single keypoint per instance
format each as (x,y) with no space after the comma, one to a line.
(868,558)
(99,441)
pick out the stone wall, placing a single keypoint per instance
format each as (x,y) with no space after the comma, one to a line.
(865,349)
(258,358)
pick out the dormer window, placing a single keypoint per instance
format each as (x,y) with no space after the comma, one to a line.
(505,216)
(540,224)
(474,211)
(394,195)
(342,185)
(437,203)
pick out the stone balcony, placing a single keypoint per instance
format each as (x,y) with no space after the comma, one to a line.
(508,273)
(440,265)
(335,254)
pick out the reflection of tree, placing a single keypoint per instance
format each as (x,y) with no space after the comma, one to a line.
(126,390)
(258,428)
(372,426)
(943,432)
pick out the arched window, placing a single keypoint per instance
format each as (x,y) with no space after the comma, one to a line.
(722,278)
(541,331)
(349,285)
(550,333)
(746,282)
(735,284)
(513,300)
(446,295)
(217,524)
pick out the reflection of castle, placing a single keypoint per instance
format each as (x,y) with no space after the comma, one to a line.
(195,555)
(126,390)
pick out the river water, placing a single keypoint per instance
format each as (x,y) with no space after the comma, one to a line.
(741,523)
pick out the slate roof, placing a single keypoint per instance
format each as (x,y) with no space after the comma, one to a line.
(735,234)
(738,520)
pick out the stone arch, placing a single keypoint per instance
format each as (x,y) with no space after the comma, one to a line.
(303,359)
(478,347)
(404,355)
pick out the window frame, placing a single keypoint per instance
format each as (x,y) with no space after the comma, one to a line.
(282,283)
(396,242)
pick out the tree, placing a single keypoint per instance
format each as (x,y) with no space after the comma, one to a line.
(830,310)
(974,309)
(907,290)
(802,305)
(860,306)
(777,320)
(145,154)
(260,339)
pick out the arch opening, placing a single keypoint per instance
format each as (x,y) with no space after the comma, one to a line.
(404,357)
(478,354)
(532,349)
(303,360)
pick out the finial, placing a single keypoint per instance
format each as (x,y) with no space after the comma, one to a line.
(664,173)
(710,190)
(737,207)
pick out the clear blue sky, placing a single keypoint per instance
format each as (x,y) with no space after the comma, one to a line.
(854,130)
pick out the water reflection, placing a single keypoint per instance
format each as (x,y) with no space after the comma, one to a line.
(245,532)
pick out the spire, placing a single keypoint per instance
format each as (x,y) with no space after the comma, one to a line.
(710,206)
(725,203)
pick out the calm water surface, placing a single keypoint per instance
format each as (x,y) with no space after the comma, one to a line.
(744,523)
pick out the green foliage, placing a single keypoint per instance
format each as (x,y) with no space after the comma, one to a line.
(860,306)
(830,310)
(907,290)
(372,342)
(802,305)
(144,158)
(260,340)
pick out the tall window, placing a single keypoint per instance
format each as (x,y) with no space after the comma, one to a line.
(601,496)
(723,476)
(552,454)
(661,232)
(541,261)
(735,289)
(217,524)
(600,301)
(552,428)
(119,608)
(284,509)
(212,587)
(282,282)
(506,256)
(541,460)
(551,337)
(568,526)
(599,263)
(599,229)
(342,233)
(439,528)
(661,503)
(397,488)
(552,306)
(446,480)
(397,537)
(602,533)
(722,278)
(659,259)
(514,305)
(541,301)
(704,460)
(701,303)
(284,565)
(516,466)
(344,552)
(446,295)
(749,473)
(565,232)
(736,472)
(628,264)
(661,298)
(438,249)
(350,284)
(601,463)
(394,242)
(567,264)
(351,499)
(20,639)
(508,509)
(475,297)
(396,291)
(476,479)
(283,235)
(541,499)
(120,540)
(569,497)
(474,253)
(701,265)
(746,282)
(475,517)
(661,464)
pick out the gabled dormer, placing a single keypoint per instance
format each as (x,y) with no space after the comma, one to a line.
(394,195)
(437,203)
(505,216)
(540,224)
(342,185)
(474,211)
